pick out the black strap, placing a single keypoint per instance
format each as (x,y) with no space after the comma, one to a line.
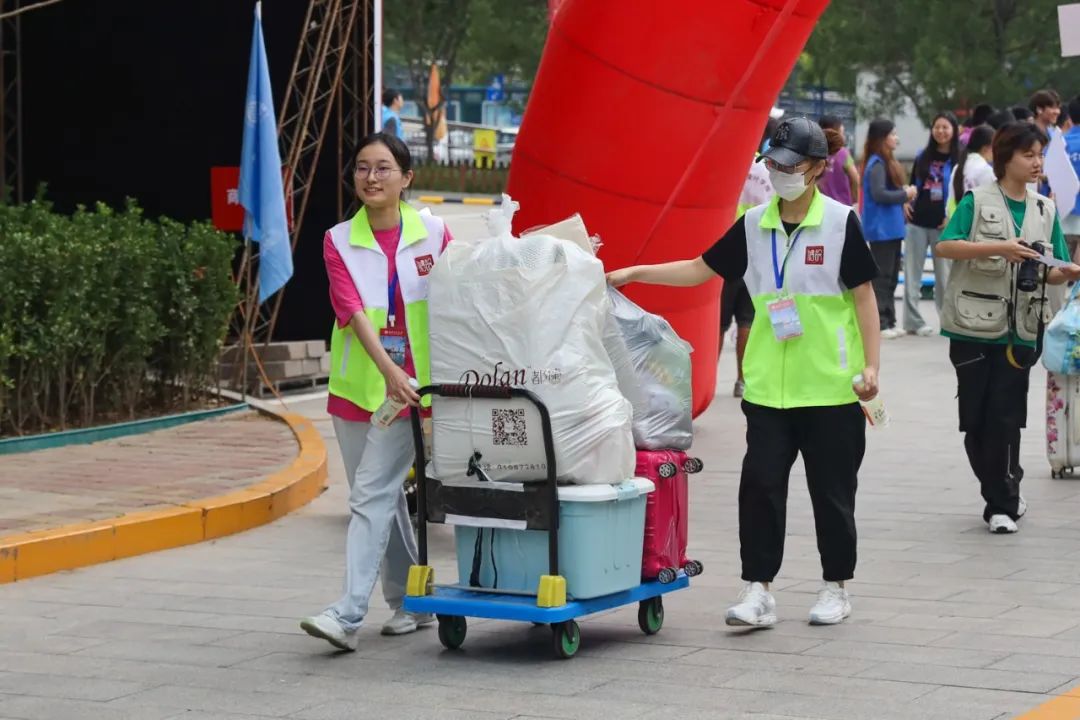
(477,559)
(1010,354)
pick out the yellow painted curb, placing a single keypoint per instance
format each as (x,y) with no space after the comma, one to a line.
(1064,707)
(477,201)
(431,199)
(73,546)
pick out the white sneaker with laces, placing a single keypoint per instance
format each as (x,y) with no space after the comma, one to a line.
(832,606)
(327,628)
(756,607)
(925,331)
(403,623)
(1002,525)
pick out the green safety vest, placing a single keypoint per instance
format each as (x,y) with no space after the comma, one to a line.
(353,374)
(815,369)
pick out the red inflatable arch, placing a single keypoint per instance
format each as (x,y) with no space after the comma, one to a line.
(644,118)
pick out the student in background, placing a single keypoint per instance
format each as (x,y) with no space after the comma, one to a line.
(975,168)
(1070,224)
(391,118)
(931,177)
(884,195)
(1045,106)
(1022,114)
(1000,119)
(841,179)
(978,117)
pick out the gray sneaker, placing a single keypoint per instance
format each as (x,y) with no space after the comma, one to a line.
(327,628)
(403,623)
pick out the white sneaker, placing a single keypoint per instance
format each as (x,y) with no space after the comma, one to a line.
(891,333)
(756,607)
(1002,524)
(403,623)
(925,331)
(327,628)
(832,606)
(1021,507)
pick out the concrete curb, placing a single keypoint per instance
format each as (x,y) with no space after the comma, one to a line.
(73,546)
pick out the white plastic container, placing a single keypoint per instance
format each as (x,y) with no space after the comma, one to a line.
(875,411)
(601,534)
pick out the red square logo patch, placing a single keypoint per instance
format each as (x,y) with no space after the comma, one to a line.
(424,263)
(815,255)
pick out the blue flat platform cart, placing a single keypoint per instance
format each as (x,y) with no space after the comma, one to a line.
(538,508)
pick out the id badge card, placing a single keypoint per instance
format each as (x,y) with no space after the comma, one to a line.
(784,316)
(394,342)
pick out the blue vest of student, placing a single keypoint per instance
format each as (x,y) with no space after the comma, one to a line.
(880,222)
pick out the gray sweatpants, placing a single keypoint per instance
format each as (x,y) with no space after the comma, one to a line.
(918,240)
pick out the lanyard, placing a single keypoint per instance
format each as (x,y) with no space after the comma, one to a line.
(780,270)
(392,288)
(1008,211)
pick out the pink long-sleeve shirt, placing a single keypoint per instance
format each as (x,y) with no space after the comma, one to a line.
(345,299)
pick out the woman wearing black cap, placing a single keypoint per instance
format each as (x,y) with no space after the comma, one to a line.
(808,269)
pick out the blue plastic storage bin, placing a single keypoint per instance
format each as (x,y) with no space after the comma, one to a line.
(601,532)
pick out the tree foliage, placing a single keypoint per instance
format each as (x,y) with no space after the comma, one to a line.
(941,55)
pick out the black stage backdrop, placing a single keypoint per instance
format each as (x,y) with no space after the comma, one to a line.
(140,98)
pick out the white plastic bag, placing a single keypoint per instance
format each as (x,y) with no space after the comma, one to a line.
(660,387)
(529,313)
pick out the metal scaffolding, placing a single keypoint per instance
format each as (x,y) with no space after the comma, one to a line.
(11,171)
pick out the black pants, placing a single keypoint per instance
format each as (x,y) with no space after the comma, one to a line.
(993,408)
(887,256)
(832,441)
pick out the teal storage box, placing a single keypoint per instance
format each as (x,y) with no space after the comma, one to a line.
(601,533)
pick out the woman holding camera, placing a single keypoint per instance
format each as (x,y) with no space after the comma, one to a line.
(995,311)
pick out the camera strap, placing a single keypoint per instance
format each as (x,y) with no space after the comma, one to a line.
(1010,355)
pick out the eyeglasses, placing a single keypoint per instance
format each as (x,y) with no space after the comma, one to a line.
(381,173)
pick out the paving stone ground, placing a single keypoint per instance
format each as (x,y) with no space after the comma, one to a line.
(83,483)
(950,623)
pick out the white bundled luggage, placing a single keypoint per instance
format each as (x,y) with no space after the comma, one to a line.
(528,313)
(659,387)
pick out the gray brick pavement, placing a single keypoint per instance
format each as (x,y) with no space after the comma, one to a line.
(949,621)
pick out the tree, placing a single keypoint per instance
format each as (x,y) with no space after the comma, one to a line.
(941,55)
(472,38)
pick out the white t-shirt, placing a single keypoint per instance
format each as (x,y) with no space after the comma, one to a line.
(977,172)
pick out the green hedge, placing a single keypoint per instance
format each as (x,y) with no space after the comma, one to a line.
(105,315)
(462,177)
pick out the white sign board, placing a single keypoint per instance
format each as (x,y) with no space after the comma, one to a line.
(1069,24)
(1061,174)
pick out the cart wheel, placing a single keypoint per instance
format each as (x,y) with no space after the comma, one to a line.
(1056,474)
(693,568)
(650,615)
(566,639)
(452,629)
(666,575)
(667,470)
(693,465)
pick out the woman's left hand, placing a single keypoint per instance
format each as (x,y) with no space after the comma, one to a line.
(1072,272)
(869,388)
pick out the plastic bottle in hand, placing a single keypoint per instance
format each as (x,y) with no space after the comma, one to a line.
(390,409)
(875,411)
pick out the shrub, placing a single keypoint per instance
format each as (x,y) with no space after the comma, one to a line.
(106,315)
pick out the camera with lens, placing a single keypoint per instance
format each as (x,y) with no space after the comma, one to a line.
(1027,277)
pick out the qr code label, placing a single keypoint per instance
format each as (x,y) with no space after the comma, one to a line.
(508,428)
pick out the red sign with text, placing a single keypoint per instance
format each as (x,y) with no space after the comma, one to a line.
(226,212)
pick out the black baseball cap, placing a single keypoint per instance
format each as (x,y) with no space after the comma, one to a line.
(795,140)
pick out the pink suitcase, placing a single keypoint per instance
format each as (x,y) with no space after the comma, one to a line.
(666,514)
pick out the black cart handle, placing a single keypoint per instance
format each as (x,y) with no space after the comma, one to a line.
(488,392)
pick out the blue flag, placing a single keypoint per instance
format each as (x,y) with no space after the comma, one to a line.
(261,192)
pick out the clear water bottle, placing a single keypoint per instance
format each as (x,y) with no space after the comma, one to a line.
(875,411)
(390,409)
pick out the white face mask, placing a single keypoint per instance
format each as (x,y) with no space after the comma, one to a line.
(788,186)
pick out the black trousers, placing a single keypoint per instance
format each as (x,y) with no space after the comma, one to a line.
(992,397)
(887,256)
(832,441)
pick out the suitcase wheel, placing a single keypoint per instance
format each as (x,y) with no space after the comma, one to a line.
(565,639)
(452,629)
(667,470)
(1062,473)
(693,465)
(650,616)
(666,575)
(693,568)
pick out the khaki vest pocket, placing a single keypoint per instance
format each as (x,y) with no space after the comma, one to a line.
(981,313)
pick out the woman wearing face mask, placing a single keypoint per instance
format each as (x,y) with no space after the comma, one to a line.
(377,263)
(931,177)
(884,195)
(808,270)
